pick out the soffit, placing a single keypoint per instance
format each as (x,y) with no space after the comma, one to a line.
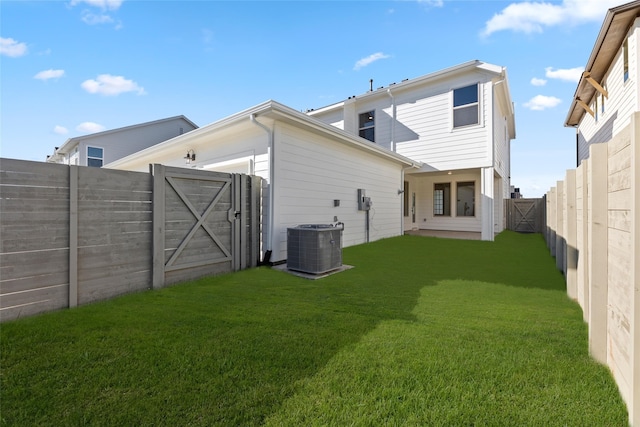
(610,39)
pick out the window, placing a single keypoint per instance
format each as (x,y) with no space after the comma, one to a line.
(95,157)
(466,108)
(604,86)
(367,126)
(625,53)
(595,107)
(442,199)
(466,194)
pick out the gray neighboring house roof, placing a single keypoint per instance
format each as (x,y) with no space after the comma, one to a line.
(71,143)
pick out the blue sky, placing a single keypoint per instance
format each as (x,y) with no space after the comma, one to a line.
(68,68)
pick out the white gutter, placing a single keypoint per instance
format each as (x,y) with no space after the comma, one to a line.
(272,168)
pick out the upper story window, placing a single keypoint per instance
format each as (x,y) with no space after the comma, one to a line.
(95,157)
(366,126)
(466,108)
(625,54)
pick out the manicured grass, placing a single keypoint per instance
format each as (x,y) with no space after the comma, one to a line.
(422,331)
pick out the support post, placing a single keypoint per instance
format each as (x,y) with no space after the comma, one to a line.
(73,236)
(560,237)
(158,225)
(634,410)
(598,252)
(570,225)
(486,197)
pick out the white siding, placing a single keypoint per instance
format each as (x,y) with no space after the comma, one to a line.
(501,142)
(331,117)
(438,145)
(211,149)
(313,171)
(620,104)
(423,128)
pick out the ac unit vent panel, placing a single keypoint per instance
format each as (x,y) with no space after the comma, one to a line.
(314,248)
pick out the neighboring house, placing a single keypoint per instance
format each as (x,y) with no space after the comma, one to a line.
(312,172)
(100,148)
(459,123)
(607,93)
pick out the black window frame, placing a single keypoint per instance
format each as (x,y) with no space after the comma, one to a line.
(463,102)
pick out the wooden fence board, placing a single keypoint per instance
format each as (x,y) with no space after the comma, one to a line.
(34,263)
(55,297)
(25,173)
(33,281)
(103,288)
(36,305)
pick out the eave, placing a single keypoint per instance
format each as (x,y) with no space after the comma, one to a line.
(612,34)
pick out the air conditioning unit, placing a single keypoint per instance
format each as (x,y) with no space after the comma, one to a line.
(314,248)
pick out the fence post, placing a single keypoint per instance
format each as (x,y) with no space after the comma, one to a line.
(559,226)
(158,207)
(73,236)
(598,251)
(571,253)
(634,411)
(583,250)
(551,219)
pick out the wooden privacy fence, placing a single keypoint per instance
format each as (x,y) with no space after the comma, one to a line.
(72,235)
(593,230)
(525,215)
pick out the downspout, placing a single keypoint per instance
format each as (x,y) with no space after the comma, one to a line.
(392,143)
(269,243)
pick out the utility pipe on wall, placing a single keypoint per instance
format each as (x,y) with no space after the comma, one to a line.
(272,168)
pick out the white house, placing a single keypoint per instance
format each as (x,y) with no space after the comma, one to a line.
(313,172)
(98,149)
(459,123)
(607,93)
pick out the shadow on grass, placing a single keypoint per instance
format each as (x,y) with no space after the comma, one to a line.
(230,350)
(476,354)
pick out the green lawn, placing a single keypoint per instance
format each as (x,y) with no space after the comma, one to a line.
(422,331)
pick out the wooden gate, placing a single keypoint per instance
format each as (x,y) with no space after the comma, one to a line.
(203,223)
(525,215)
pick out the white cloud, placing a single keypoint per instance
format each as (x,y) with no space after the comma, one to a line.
(89,127)
(542,102)
(93,19)
(60,130)
(361,63)
(102,4)
(538,82)
(567,74)
(49,74)
(432,3)
(108,85)
(532,17)
(12,48)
